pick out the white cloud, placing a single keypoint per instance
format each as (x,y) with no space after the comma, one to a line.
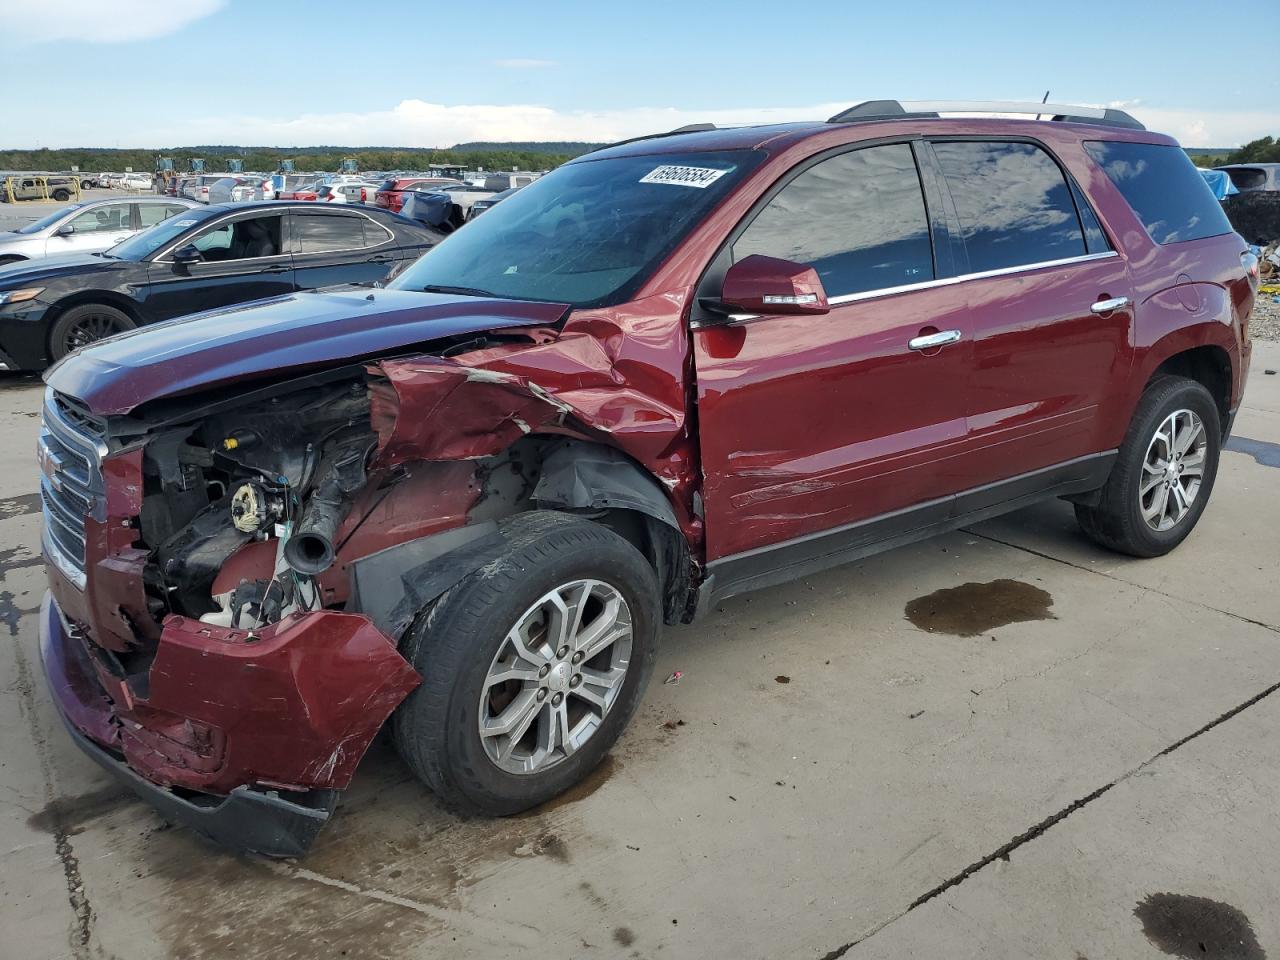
(92,21)
(418,123)
(524,63)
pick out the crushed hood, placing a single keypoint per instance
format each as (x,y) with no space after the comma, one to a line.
(290,333)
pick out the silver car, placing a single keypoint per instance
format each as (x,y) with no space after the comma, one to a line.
(88,227)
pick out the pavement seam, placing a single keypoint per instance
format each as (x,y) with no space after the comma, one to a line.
(1120,580)
(77,897)
(1039,829)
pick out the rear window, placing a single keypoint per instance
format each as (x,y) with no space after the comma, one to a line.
(1164,189)
(1014,205)
(1247,178)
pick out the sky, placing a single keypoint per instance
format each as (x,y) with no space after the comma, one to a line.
(140,73)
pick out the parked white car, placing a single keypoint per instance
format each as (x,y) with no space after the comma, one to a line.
(197,186)
(88,227)
(347,192)
(232,188)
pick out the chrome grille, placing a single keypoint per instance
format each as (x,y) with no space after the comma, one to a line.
(70,452)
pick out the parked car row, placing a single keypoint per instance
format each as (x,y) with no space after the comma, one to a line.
(87,227)
(672,371)
(210,256)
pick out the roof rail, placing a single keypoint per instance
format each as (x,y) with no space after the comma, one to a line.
(687,128)
(932,109)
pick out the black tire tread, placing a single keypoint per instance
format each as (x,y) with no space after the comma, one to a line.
(443,639)
(1112,521)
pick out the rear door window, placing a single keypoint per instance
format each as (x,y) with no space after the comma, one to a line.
(1164,189)
(858,219)
(1014,205)
(320,233)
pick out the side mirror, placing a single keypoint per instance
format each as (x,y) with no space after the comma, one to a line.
(66,230)
(767,285)
(186,254)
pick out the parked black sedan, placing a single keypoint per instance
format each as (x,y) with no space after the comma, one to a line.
(201,259)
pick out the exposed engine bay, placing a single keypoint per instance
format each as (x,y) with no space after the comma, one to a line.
(283,470)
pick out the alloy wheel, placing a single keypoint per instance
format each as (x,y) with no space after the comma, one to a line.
(555,676)
(1172,470)
(90,328)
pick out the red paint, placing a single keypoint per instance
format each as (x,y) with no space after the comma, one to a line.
(756,284)
(296,706)
(781,426)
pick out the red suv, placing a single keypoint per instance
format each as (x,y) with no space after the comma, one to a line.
(391,193)
(671,371)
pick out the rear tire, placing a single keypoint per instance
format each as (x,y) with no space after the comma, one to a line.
(1154,498)
(462,646)
(84,324)
(62,196)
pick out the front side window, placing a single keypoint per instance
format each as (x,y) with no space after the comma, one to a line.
(858,219)
(318,233)
(1164,189)
(1013,202)
(108,219)
(240,240)
(588,234)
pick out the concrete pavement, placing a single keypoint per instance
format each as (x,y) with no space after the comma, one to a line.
(827,779)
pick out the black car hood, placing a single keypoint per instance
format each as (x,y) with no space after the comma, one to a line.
(55,268)
(283,334)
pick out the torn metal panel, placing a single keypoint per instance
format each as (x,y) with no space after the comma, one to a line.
(393,585)
(578,476)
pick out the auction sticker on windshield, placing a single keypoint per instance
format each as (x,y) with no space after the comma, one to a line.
(700,177)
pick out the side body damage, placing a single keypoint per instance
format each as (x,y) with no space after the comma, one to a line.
(246,581)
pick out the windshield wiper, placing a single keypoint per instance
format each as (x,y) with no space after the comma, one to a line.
(461,291)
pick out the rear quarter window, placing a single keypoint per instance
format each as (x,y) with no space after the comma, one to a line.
(1164,189)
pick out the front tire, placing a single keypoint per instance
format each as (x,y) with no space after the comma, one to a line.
(85,324)
(1164,472)
(532,666)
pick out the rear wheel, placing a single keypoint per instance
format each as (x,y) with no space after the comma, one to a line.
(532,666)
(1164,472)
(86,324)
(62,196)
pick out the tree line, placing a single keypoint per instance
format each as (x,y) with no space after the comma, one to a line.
(1262,150)
(268,159)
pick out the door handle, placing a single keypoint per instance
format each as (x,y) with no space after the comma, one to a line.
(381,258)
(930,340)
(278,268)
(1110,305)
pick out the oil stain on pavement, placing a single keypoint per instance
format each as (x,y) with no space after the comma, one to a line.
(974,608)
(1197,928)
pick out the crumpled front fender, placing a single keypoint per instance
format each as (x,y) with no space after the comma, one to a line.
(295,705)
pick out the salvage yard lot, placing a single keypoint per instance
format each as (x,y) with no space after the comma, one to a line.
(827,778)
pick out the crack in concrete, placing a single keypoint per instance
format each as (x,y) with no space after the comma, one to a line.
(522,933)
(1002,852)
(1121,580)
(77,897)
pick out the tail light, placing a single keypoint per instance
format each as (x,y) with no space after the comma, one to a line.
(363,196)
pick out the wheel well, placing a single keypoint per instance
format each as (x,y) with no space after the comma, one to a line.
(104,297)
(600,483)
(1209,366)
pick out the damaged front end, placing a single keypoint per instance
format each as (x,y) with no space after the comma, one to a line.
(231,571)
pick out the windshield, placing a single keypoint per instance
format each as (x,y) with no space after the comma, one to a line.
(588,234)
(48,220)
(147,242)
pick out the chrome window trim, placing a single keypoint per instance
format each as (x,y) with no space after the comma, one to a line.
(280,211)
(961,278)
(928,284)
